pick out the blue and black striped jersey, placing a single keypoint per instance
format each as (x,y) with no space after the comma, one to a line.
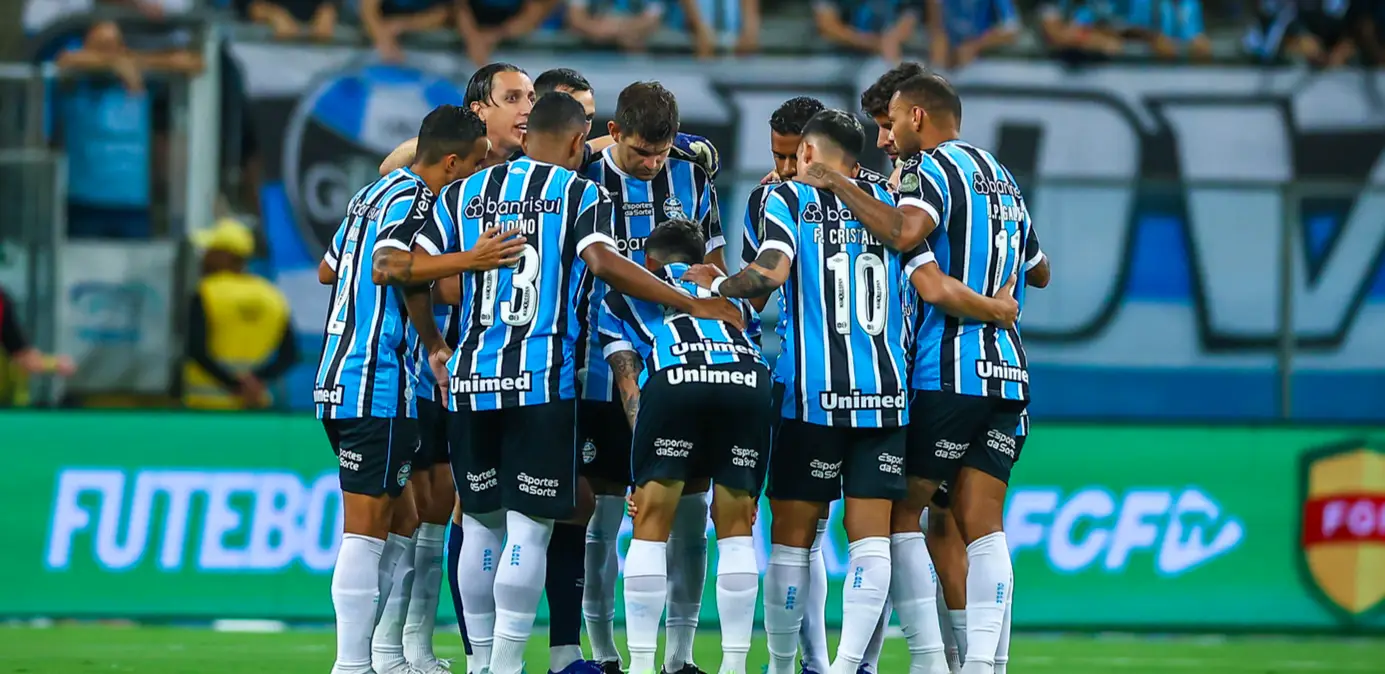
(981,240)
(752,233)
(681,190)
(519,325)
(365,369)
(844,359)
(665,339)
(446,318)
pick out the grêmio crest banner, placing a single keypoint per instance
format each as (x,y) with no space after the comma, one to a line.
(224,516)
(1183,208)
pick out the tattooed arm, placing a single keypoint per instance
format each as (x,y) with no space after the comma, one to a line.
(762,277)
(626,367)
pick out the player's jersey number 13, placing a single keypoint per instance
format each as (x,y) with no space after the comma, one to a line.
(521,303)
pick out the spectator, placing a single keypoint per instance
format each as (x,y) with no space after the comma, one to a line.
(610,23)
(20,352)
(872,26)
(286,17)
(1323,33)
(1079,30)
(703,19)
(385,21)
(239,339)
(1180,26)
(961,30)
(484,24)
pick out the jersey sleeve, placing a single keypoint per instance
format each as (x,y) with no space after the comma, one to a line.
(922,186)
(709,213)
(405,216)
(595,217)
(610,330)
(1033,254)
(919,256)
(753,227)
(333,255)
(872,176)
(781,220)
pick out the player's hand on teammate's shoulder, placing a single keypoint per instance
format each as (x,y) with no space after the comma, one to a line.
(817,175)
(771,177)
(497,248)
(702,274)
(718,309)
(1010,308)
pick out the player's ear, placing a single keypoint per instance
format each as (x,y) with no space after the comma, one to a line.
(479,109)
(613,130)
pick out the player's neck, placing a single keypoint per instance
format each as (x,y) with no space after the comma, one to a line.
(499,154)
(939,137)
(432,176)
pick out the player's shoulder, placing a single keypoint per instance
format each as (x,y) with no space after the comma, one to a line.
(685,169)
(871,176)
(760,193)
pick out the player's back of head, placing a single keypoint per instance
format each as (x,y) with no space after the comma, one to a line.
(647,110)
(875,100)
(933,93)
(481,87)
(448,129)
(557,113)
(789,119)
(836,130)
(567,78)
(675,241)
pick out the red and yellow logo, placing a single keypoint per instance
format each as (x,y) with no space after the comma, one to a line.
(1343,536)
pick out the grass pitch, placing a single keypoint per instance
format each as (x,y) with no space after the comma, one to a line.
(92,649)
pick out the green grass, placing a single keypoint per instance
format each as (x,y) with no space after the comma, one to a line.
(88,649)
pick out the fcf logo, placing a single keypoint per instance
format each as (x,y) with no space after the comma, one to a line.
(1343,533)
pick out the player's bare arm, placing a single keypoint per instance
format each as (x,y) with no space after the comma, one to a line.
(396,266)
(766,274)
(901,228)
(633,280)
(1039,275)
(326,275)
(448,291)
(716,258)
(626,367)
(956,298)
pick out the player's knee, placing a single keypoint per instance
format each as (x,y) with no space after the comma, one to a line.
(656,503)
(366,515)
(794,523)
(938,519)
(585,503)
(978,504)
(866,518)
(733,512)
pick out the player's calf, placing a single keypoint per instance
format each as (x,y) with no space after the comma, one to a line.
(387,644)
(738,575)
(979,504)
(646,569)
(792,529)
(949,553)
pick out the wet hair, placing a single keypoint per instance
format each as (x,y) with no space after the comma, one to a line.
(557,112)
(933,93)
(789,119)
(550,80)
(839,128)
(875,100)
(647,110)
(481,87)
(677,240)
(448,129)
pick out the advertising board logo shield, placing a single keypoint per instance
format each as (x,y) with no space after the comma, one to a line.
(1343,532)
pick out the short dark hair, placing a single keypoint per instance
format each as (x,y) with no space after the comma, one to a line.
(839,127)
(647,110)
(789,119)
(933,93)
(448,129)
(677,240)
(481,87)
(557,112)
(550,80)
(875,100)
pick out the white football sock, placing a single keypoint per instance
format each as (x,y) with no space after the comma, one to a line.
(871,660)
(482,542)
(387,644)
(395,547)
(422,617)
(738,586)
(786,581)
(988,590)
(355,586)
(646,590)
(954,663)
(812,633)
(687,574)
(599,590)
(958,619)
(518,588)
(914,594)
(1002,651)
(866,589)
